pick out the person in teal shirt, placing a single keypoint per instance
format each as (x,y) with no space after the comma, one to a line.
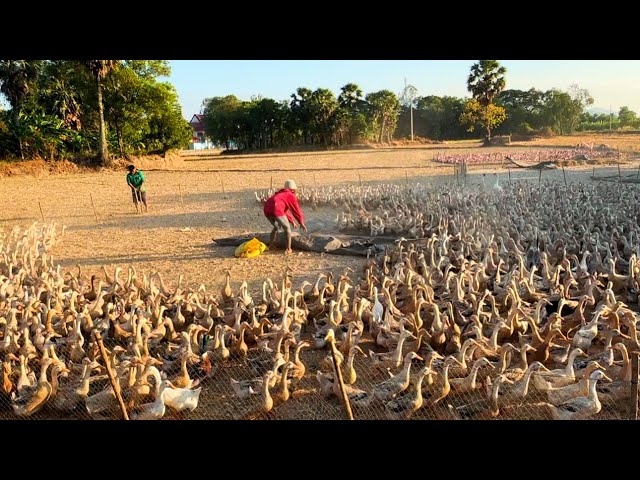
(135,180)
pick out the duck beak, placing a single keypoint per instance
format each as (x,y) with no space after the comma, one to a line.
(608,379)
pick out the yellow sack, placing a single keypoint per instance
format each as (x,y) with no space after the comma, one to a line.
(251,248)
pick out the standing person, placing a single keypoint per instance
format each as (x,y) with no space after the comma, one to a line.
(282,210)
(135,179)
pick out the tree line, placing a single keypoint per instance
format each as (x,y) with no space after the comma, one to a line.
(86,109)
(315,117)
(320,118)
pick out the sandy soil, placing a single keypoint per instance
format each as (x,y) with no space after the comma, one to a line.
(200,198)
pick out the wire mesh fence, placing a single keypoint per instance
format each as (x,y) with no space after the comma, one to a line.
(236,390)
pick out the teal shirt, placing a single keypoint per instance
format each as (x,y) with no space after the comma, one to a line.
(136,180)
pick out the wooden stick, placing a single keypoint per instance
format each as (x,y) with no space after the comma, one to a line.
(115,385)
(41,214)
(619,174)
(638,174)
(540,176)
(565,176)
(271,182)
(509,176)
(594,171)
(345,398)
(360,180)
(634,386)
(465,172)
(94,207)
(181,199)
(222,183)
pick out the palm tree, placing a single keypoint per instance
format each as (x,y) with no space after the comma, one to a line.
(16,80)
(486,81)
(100,69)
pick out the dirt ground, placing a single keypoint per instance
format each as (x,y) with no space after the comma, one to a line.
(203,197)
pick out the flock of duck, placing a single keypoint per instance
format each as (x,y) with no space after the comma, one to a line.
(518,302)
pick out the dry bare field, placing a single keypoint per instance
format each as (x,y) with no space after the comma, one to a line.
(175,238)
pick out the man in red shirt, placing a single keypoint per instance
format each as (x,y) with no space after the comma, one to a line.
(282,209)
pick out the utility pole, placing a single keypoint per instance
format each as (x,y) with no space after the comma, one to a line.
(609,118)
(408,95)
(410,109)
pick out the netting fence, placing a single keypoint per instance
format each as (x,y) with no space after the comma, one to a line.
(235,390)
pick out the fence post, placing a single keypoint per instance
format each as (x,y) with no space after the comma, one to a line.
(41,214)
(94,207)
(634,386)
(112,379)
(336,365)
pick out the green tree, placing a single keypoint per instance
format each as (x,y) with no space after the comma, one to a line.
(300,113)
(350,120)
(322,104)
(563,110)
(60,92)
(488,116)
(17,79)
(100,69)
(485,82)
(166,126)
(384,108)
(628,118)
(523,110)
(222,116)
(435,117)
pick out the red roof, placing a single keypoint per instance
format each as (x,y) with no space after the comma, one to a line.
(197,122)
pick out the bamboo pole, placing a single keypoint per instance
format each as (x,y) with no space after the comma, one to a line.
(336,365)
(638,174)
(634,386)
(181,199)
(115,385)
(509,176)
(564,174)
(41,214)
(271,182)
(94,207)
(540,176)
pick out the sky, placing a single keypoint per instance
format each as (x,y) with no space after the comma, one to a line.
(611,83)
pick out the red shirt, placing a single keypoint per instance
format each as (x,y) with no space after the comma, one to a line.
(284,202)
